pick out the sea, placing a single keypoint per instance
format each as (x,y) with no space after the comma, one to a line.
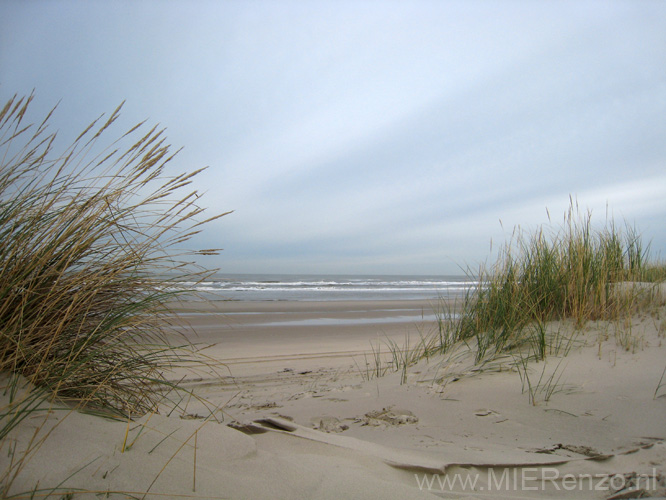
(310,287)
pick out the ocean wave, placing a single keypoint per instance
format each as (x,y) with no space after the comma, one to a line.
(335,288)
(258,287)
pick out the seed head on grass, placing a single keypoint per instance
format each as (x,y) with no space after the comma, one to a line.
(573,271)
(90,259)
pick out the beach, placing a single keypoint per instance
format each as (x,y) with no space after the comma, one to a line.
(278,250)
(262,335)
(295,409)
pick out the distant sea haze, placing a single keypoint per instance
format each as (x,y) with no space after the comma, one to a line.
(305,287)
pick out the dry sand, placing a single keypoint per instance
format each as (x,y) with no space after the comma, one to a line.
(300,415)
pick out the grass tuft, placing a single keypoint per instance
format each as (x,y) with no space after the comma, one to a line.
(91,257)
(576,271)
(90,262)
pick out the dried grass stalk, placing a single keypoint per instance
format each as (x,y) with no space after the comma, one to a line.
(90,258)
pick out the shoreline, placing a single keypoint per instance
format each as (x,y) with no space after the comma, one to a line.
(237,305)
(285,334)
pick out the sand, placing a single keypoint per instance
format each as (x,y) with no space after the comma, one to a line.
(301,415)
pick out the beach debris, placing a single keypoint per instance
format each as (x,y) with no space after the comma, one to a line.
(388,416)
(329,424)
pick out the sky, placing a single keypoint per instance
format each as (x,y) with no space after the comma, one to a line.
(369,137)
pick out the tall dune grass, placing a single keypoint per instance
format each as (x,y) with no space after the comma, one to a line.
(573,272)
(90,256)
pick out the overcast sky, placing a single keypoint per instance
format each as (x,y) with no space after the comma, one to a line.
(369,137)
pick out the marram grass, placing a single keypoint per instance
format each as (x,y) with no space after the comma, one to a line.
(91,247)
(573,272)
(576,271)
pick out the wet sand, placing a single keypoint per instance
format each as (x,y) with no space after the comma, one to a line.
(243,333)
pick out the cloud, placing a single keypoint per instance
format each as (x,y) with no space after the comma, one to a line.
(378,137)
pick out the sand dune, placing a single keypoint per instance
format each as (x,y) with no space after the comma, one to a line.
(301,416)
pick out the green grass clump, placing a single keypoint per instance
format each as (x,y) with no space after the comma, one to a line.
(89,260)
(573,272)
